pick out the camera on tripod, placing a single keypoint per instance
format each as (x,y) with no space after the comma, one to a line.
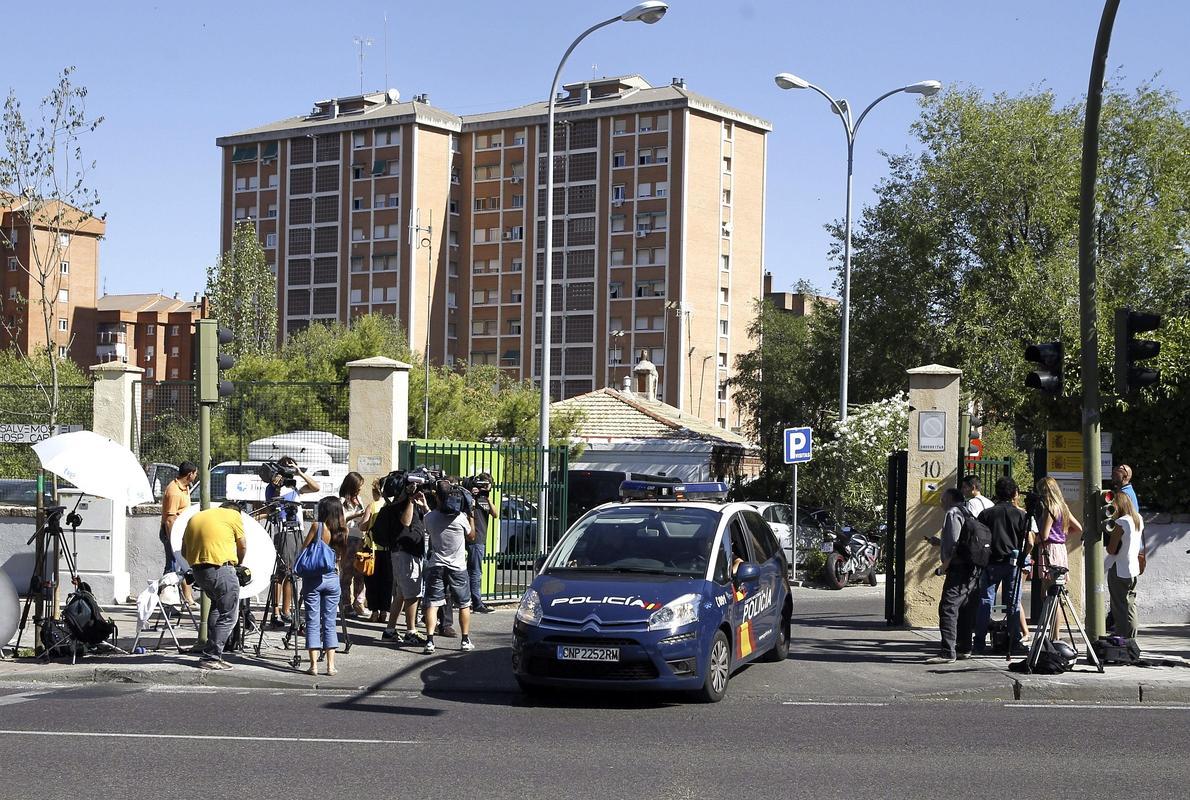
(1057,575)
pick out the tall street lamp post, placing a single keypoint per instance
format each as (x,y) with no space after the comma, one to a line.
(647,12)
(786,80)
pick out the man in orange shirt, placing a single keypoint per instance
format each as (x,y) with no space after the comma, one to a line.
(175,501)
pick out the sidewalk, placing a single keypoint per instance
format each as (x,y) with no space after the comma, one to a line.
(841,650)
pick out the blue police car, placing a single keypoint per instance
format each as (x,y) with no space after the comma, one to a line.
(673,588)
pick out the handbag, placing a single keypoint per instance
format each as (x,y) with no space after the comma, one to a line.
(364,563)
(316,559)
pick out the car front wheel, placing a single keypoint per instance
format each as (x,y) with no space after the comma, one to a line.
(718,671)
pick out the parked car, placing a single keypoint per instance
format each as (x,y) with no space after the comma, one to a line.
(22,492)
(779,516)
(518,526)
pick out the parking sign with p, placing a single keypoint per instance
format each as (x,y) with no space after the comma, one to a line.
(798,445)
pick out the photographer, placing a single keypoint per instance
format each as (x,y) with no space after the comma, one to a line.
(402,524)
(214,545)
(483,511)
(173,503)
(960,592)
(283,488)
(1009,526)
(449,528)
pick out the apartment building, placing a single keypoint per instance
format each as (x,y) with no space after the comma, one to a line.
(151,331)
(25,247)
(658,230)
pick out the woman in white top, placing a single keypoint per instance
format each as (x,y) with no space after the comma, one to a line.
(1122,565)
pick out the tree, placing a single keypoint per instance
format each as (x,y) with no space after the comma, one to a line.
(43,175)
(243,293)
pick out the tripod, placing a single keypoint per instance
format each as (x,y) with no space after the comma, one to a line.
(46,586)
(1057,601)
(282,575)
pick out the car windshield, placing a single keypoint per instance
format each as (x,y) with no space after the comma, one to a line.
(670,540)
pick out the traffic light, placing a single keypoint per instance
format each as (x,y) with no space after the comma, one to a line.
(1129,349)
(1048,375)
(211,361)
(1107,512)
(974,440)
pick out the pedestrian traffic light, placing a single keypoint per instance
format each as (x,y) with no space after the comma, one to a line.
(1048,375)
(1107,512)
(211,361)
(974,438)
(1129,349)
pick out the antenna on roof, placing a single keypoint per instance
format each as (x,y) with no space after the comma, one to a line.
(361,42)
(386,83)
(594,71)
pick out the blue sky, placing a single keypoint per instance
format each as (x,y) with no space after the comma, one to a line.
(170,77)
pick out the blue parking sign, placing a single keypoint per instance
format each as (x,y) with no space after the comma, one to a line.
(799,444)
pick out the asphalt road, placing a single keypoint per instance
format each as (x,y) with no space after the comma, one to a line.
(159,742)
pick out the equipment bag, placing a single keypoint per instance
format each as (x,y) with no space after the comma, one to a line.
(84,618)
(1116,650)
(316,560)
(975,541)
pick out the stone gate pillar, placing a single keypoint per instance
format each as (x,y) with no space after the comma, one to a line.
(933,466)
(379,415)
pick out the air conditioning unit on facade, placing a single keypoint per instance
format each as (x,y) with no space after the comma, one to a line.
(515,179)
(641,234)
(619,201)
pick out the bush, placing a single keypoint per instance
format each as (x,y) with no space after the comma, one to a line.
(813,564)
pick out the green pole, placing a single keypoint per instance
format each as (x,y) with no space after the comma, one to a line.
(964,443)
(1089,330)
(204,476)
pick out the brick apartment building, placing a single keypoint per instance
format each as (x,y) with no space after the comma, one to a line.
(658,229)
(27,243)
(151,331)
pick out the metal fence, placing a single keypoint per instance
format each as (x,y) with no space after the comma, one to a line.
(512,542)
(259,421)
(989,470)
(24,415)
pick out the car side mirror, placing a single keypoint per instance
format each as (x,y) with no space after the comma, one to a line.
(746,572)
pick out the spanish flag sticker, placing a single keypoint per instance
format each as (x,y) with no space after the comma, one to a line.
(746,645)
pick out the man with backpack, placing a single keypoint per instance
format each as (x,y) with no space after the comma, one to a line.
(964,554)
(1009,526)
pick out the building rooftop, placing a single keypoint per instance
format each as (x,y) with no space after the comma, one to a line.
(615,414)
(52,213)
(592,98)
(137,303)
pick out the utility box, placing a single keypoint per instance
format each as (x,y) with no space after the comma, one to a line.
(100,544)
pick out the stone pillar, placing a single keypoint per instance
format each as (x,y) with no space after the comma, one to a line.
(102,539)
(115,402)
(933,466)
(379,415)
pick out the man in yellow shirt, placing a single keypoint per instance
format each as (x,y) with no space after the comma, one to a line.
(175,501)
(214,544)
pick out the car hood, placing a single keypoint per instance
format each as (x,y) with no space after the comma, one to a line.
(609,598)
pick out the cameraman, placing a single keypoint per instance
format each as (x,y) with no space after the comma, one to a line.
(402,524)
(449,527)
(482,512)
(282,488)
(214,545)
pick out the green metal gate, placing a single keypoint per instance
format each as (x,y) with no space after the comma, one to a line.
(989,471)
(512,541)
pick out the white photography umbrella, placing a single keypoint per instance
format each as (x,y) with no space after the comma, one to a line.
(97,466)
(260,555)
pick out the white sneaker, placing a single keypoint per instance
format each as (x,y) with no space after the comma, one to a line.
(467,645)
(428,650)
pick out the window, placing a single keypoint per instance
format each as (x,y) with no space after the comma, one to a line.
(646,125)
(657,355)
(173,351)
(618,159)
(727,197)
(357,203)
(514,327)
(722,390)
(377,294)
(63,296)
(62,354)
(615,290)
(650,288)
(644,190)
(64,268)
(151,330)
(617,257)
(518,201)
(272,211)
(478,296)
(357,235)
(173,373)
(63,240)
(378,232)
(481,327)
(515,296)
(241,184)
(379,166)
(270,240)
(727,130)
(723,294)
(357,295)
(253,183)
(273,181)
(662,155)
(241,213)
(357,140)
(357,173)
(723,327)
(725,262)
(618,193)
(516,232)
(662,188)
(150,373)
(620,127)
(617,223)
(12,293)
(727,163)
(517,265)
(63,325)
(453,206)
(394,167)
(644,157)
(174,330)
(12,264)
(723,360)
(615,355)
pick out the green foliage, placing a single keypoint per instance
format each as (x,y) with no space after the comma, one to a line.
(813,563)
(999,442)
(850,466)
(243,294)
(26,397)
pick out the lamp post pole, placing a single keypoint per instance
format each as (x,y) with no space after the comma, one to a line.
(648,12)
(787,80)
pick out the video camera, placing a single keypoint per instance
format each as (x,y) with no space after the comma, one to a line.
(408,481)
(480,484)
(271,469)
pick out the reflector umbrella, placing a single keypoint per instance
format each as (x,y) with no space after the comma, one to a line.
(260,555)
(97,466)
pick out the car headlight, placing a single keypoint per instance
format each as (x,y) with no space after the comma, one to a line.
(529,611)
(675,613)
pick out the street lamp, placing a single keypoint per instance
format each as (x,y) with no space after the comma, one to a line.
(787,80)
(647,12)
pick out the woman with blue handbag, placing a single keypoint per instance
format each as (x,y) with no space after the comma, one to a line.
(317,565)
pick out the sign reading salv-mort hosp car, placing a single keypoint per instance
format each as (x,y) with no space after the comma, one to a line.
(799,445)
(32,434)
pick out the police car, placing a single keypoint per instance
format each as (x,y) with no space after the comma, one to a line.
(671,588)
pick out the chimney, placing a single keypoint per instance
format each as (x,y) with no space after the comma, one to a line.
(768,283)
(626,388)
(679,82)
(646,379)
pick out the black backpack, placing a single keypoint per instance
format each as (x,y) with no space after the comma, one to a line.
(84,618)
(975,541)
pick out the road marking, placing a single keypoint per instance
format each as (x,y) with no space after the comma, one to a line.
(199,737)
(13,699)
(826,703)
(1101,707)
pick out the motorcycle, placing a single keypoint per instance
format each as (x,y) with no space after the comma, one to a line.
(853,556)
